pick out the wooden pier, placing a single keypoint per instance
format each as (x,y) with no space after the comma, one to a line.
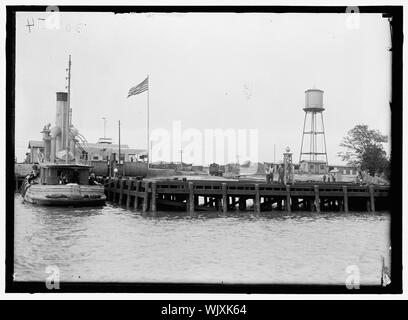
(229,196)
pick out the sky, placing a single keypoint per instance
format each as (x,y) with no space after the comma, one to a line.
(206,71)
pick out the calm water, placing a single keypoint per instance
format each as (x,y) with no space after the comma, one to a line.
(114,244)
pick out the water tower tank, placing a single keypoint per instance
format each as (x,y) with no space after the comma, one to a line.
(314,100)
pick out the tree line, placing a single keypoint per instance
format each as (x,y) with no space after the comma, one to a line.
(364,148)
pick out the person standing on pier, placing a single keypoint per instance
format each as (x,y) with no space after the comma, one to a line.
(324,178)
(269,174)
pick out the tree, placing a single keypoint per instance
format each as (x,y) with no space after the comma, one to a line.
(365,148)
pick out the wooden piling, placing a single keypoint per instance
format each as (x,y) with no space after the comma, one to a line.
(116,190)
(145,196)
(288,204)
(121,191)
(317,198)
(136,202)
(153,203)
(191,197)
(224,197)
(112,190)
(130,183)
(242,203)
(257,199)
(109,189)
(345,200)
(218,203)
(372,199)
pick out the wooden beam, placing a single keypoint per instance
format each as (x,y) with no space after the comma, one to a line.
(242,203)
(145,197)
(121,182)
(116,190)
(257,199)
(224,197)
(218,203)
(130,183)
(153,204)
(136,202)
(372,199)
(317,198)
(191,197)
(345,199)
(288,204)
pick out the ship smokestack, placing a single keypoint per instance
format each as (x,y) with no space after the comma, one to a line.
(61,120)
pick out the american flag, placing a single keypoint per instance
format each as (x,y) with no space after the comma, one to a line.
(141,87)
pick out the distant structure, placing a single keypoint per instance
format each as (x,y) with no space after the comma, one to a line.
(313,157)
(53,147)
(36,151)
(61,142)
(104,150)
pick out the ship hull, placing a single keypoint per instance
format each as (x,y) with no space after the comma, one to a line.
(65,195)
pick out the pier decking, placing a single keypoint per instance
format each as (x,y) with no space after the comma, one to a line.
(227,196)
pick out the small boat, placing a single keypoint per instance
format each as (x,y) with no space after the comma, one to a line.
(62,184)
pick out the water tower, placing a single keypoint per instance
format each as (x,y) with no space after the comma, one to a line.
(313,153)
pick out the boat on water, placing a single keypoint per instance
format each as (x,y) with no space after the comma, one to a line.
(61,184)
(63,176)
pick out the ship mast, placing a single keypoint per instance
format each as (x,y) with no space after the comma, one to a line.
(69,109)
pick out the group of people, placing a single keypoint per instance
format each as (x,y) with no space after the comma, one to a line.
(270,171)
(69,177)
(329,177)
(63,179)
(35,172)
(92,180)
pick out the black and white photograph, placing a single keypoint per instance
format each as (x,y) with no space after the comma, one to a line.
(216,148)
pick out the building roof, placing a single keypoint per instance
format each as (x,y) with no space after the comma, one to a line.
(35,144)
(108,145)
(65,165)
(343,166)
(112,148)
(314,89)
(314,161)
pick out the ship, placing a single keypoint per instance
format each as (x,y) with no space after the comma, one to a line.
(63,184)
(62,177)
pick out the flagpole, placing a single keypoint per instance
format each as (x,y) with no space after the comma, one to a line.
(68,111)
(119,147)
(148,122)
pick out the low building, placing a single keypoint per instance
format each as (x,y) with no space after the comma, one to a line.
(345,170)
(36,151)
(163,165)
(316,167)
(105,150)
